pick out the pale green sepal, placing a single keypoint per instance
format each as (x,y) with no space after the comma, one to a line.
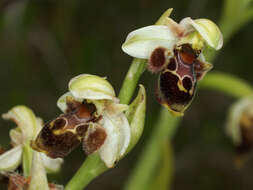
(11,159)
(233,120)
(92,87)
(136,117)
(25,120)
(51,165)
(38,174)
(209,31)
(141,42)
(117,140)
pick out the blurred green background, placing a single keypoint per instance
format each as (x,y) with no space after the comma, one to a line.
(44,43)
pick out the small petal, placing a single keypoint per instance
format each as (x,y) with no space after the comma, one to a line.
(11,159)
(118,138)
(207,29)
(92,87)
(136,117)
(94,139)
(25,119)
(140,43)
(51,165)
(38,174)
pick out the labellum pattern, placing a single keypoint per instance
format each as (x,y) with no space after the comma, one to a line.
(79,124)
(178,77)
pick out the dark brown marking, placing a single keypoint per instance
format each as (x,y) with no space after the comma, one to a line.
(187,83)
(172,64)
(157,60)
(94,140)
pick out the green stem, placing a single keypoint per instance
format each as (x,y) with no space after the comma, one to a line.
(27,159)
(130,82)
(164,129)
(91,168)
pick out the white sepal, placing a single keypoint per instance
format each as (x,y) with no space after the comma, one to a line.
(11,159)
(141,42)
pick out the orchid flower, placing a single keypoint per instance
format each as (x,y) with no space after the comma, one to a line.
(175,51)
(35,164)
(93,116)
(28,125)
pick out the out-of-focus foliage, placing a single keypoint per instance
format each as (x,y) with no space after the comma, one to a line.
(44,43)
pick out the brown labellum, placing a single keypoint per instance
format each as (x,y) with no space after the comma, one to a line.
(60,136)
(177,81)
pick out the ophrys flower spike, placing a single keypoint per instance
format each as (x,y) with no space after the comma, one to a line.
(174,50)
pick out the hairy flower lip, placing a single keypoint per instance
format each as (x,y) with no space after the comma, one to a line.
(98,91)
